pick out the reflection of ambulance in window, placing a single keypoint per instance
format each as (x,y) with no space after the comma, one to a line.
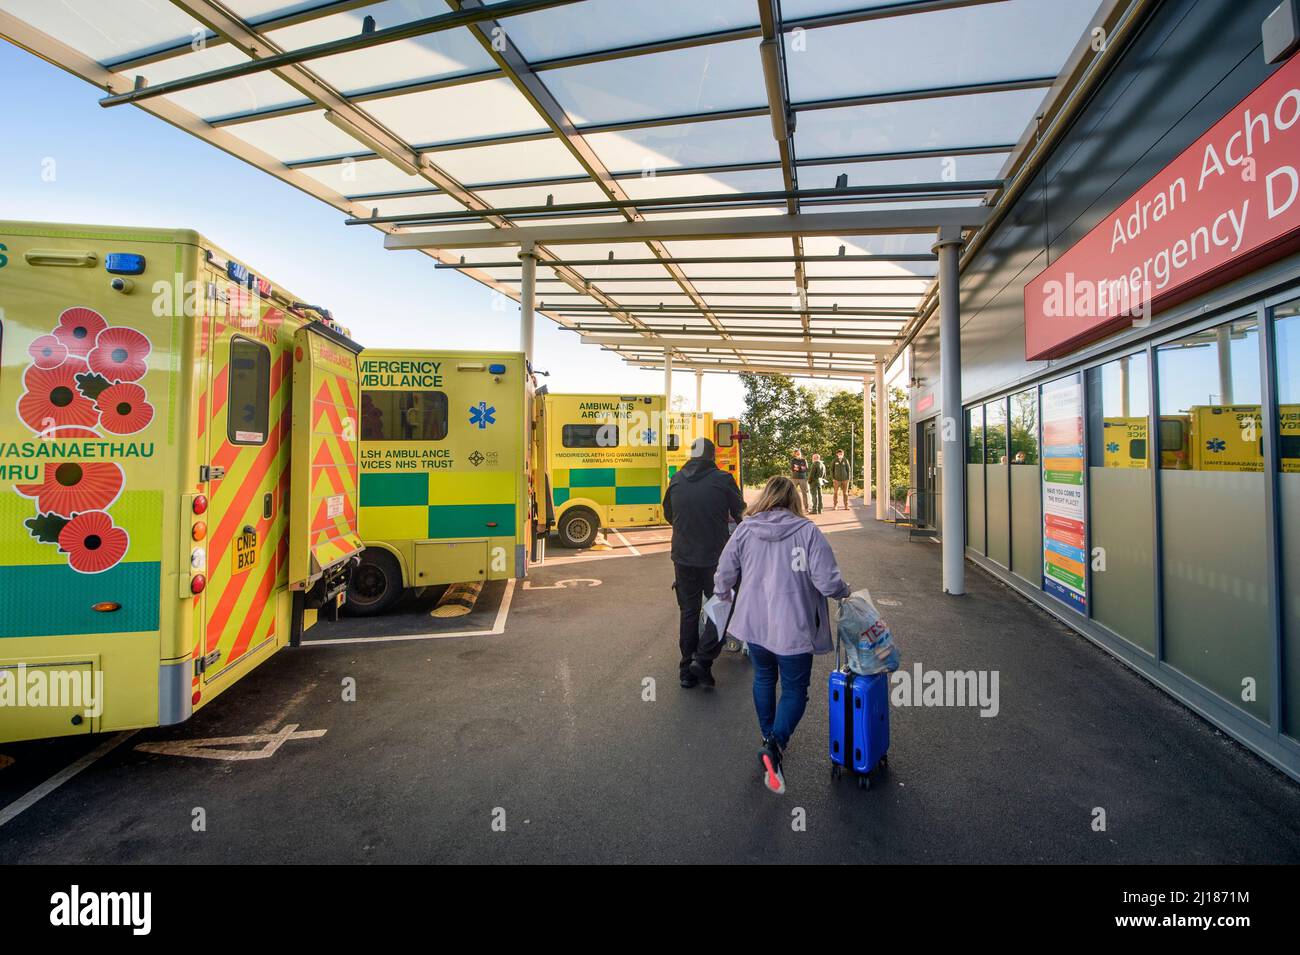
(598,461)
(442,472)
(177,474)
(1124,442)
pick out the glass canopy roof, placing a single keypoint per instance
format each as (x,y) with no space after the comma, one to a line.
(645,144)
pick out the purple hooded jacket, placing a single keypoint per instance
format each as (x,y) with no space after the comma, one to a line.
(786,570)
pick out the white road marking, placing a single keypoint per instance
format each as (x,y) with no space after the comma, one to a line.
(498,627)
(23,803)
(626,543)
(563,584)
(210,748)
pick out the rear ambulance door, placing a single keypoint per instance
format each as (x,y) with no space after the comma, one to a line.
(323,505)
(638,463)
(248,453)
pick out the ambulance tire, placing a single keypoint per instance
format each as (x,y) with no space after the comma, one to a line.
(376,583)
(578,528)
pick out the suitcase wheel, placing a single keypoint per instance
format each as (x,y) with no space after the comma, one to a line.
(864,782)
(836,772)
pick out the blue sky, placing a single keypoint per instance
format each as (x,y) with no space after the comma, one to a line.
(122,166)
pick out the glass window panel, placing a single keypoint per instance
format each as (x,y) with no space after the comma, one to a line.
(505,162)
(1286,330)
(248,398)
(1215,575)
(900,171)
(358,177)
(975,538)
(301,136)
(698,79)
(701,184)
(609,24)
(1120,504)
(403,415)
(716,142)
(997,483)
(412,205)
(995,432)
(488,108)
(107,31)
(1026,488)
(245,94)
(1015,39)
(973,120)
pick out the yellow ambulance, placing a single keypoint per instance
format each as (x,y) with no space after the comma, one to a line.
(1124,442)
(443,485)
(727,437)
(683,428)
(598,461)
(178,475)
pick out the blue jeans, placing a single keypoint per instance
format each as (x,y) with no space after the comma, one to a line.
(779,719)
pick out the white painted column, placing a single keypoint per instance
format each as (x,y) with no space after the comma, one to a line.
(668,381)
(953,439)
(882,444)
(527,301)
(866,440)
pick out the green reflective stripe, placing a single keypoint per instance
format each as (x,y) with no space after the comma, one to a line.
(387,490)
(560,495)
(637,495)
(471,520)
(47,599)
(591,477)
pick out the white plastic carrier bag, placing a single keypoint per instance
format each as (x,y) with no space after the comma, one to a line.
(868,645)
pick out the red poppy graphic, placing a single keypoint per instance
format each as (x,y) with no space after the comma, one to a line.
(52,399)
(71,487)
(119,354)
(123,408)
(92,542)
(78,328)
(47,352)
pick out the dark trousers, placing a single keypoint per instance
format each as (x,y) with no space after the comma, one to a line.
(816,488)
(693,584)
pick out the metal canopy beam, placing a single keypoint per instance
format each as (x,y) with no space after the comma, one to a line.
(844,348)
(776,310)
(794,371)
(714,260)
(871,222)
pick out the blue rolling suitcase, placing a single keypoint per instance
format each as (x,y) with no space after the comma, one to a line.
(859,723)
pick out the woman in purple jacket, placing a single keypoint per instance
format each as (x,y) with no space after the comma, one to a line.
(784,571)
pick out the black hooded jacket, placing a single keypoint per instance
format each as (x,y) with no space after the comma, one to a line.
(699,500)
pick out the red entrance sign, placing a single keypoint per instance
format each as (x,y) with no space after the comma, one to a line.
(1229,203)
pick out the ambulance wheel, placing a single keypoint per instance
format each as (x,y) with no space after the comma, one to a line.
(376,583)
(578,528)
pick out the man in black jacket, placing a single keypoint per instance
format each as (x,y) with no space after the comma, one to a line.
(699,502)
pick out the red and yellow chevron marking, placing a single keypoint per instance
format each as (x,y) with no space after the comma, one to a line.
(241,608)
(334,473)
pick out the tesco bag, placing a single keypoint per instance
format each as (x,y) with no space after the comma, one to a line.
(868,645)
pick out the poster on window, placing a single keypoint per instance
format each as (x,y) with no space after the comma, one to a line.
(1064,503)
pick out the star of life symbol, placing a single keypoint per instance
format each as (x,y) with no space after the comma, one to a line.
(476,459)
(482,415)
(648,436)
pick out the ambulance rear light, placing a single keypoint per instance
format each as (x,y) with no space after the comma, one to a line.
(200,504)
(199,530)
(106,606)
(197,583)
(124,263)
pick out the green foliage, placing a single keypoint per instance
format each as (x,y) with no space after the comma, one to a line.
(780,416)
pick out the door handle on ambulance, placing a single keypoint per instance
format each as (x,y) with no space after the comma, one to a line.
(59,257)
(266,506)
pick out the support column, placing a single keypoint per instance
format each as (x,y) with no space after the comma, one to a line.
(882,444)
(866,440)
(699,391)
(668,381)
(953,440)
(527,316)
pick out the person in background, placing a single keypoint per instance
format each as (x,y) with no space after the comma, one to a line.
(779,571)
(841,474)
(799,474)
(816,478)
(700,502)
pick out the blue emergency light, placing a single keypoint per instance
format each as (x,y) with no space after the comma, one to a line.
(496,369)
(124,263)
